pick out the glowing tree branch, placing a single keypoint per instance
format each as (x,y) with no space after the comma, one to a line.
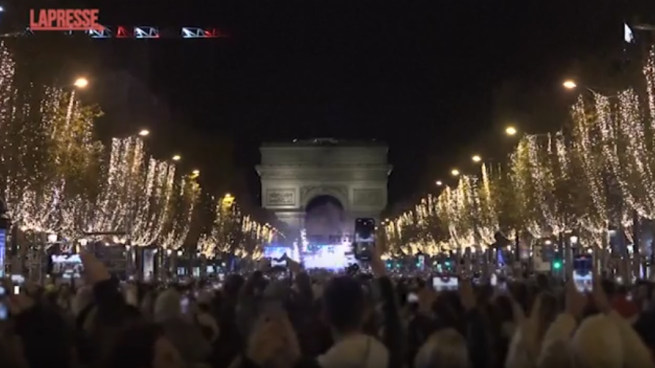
(182,206)
(527,188)
(626,150)
(220,238)
(232,232)
(589,167)
(154,201)
(431,227)
(488,219)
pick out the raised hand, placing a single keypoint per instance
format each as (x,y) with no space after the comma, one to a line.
(294,266)
(94,270)
(575,301)
(264,343)
(377,266)
(466,294)
(18,304)
(598,293)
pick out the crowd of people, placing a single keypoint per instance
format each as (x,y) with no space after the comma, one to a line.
(283,320)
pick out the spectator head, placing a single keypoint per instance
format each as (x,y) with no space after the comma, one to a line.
(345,304)
(444,348)
(143,345)
(597,343)
(168,305)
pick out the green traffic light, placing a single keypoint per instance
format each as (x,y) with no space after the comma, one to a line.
(557,265)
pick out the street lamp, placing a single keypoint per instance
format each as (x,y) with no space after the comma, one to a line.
(177,158)
(439,183)
(81,83)
(511,131)
(569,84)
(195,173)
(454,172)
(227,200)
(476,158)
(144,132)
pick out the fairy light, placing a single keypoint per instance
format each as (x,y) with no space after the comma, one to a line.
(649,75)
(488,213)
(588,146)
(555,182)
(233,232)
(526,188)
(624,149)
(184,202)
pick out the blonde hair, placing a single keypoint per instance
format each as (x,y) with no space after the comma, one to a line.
(597,344)
(444,349)
(544,311)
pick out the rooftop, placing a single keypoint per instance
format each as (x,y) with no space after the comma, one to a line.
(321,142)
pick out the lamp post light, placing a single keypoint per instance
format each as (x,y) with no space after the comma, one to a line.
(144,133)
(439,183)
(511,131)
(570,84)
(476,158)
(454,172)
(177,157)
(81,83)
(227,200)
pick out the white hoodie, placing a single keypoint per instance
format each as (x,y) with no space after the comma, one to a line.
(356,351)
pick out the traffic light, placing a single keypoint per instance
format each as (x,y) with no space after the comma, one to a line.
(557,262)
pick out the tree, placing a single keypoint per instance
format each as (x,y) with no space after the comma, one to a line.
(431,226)
(233,233)
(488,214)
(181,207)
(589,167)
(528,190)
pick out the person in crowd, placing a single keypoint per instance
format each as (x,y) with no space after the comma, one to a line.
(186,336)
(284,319)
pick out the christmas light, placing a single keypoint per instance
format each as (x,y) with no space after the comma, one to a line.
(232,232)
(554,183)
(526,184)
(488,219)
(587,153)
(179,222)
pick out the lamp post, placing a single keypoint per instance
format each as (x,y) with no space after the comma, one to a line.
(81,82)
(5,224)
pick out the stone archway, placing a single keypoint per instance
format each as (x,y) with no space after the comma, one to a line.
(294,174)
(324,220)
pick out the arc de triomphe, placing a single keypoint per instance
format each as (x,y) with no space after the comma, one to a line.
(354,173)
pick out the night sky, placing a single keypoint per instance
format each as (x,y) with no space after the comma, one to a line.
(436,80)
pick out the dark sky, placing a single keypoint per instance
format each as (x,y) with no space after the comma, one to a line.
(437,80)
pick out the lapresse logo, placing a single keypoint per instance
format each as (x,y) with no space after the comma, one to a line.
(64,20)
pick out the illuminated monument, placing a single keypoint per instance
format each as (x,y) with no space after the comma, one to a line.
(352,175)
